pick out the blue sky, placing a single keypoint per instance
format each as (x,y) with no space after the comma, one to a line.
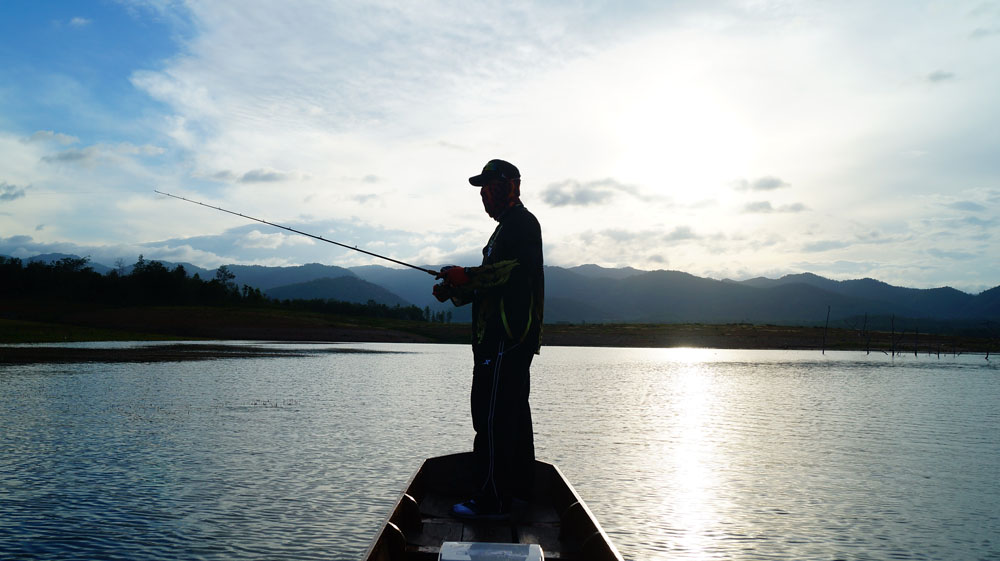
(725,139)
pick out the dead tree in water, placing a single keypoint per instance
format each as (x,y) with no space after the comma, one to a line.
(989,340)
(863,333)
(867,336)
(892,335)
(826,328)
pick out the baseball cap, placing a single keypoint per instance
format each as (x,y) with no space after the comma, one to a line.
(495,169)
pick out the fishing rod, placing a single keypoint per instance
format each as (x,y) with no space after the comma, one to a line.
(320,238)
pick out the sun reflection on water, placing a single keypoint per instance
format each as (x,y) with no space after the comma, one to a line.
(689,463)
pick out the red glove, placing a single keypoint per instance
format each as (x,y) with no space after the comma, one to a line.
(453,276)
(441,292)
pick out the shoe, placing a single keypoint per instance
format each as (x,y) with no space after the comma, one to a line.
(474,510)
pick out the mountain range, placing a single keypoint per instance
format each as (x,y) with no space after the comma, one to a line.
(594,294)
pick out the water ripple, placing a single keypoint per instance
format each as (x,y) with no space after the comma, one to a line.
(681,454)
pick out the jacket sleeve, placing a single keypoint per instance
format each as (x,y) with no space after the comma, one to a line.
(511,277)
(484,277)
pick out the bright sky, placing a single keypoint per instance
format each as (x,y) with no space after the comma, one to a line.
(724,139)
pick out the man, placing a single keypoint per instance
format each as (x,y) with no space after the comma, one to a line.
(507,293)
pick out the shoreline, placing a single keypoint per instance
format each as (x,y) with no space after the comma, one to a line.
(45,353)
(176,351)
(184,327)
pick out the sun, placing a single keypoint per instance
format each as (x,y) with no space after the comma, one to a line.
(685,139)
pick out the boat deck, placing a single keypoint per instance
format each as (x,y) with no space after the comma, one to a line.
(529,523)
(555,518)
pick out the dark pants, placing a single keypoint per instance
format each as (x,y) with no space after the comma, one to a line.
(504,447)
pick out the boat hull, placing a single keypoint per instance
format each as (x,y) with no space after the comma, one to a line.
(555,517)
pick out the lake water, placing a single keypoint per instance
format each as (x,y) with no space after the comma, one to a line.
(680,453)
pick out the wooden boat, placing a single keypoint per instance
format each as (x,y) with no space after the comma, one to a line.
(556,518)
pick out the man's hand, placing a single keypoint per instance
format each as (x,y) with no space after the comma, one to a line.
(453,276)
(442,292)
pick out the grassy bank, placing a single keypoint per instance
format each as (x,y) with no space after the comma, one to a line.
(42,322)
(22,322)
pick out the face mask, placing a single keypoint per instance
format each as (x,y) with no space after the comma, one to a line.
(498,197)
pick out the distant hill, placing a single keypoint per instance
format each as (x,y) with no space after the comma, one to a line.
(413,286)
(594,294)
(674,296)
(986,303)
(343,289)
(266,278)
(49,258)
(191,270)
(596,271)
(946,303)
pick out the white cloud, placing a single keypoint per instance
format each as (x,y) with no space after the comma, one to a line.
(10,192)
(45,136)
(680,233)
(263,176)
(102,153)
(758,207)
(256,239)
(966,206)
(575,193)
(766,183)
(376,113)
(940,76)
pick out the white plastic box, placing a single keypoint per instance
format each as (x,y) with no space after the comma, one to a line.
(468,551)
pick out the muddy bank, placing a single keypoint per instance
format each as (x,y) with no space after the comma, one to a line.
(41,354)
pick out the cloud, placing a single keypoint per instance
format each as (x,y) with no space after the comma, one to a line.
(953,255)
(250,244)
(643,237)
(765,207)
(574,193)
(758,207)
(99,152)
(70,156)
(966,205)
(979,222)
(5,243)
(129,149)
(794,207)
(47,136)
(983,32)
(451,146)
(833,269)
(402,94)
(256,239)
(80,22)
(769,183)
(680,233)
(623,236)
(940,76)
(10,192)
(263,176)
(872,236)
(824,245)
(706,203)
(766,183)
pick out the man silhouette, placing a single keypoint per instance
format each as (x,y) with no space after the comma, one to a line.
(507,293)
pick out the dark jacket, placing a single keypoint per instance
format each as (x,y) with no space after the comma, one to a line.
(508,290)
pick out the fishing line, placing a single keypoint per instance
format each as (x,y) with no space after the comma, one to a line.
(320,238)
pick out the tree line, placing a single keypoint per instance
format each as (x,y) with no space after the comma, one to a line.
(150,283)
